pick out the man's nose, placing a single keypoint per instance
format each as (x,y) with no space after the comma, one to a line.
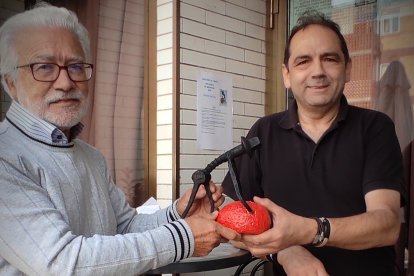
(318,69)
(63,82)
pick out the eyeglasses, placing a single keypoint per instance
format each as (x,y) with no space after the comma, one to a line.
(49,72)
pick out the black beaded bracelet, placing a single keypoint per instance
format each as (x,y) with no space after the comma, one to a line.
(323,233)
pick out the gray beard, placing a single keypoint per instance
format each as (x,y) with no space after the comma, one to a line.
(66,119)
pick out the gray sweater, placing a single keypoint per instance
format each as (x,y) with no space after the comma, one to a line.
(61,214)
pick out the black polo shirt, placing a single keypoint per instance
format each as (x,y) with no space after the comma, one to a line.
(357,154)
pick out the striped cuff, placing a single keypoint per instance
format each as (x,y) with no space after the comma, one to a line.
(172,214)
(183,239)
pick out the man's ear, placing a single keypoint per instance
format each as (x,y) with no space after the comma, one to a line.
(11,86)
(285,74)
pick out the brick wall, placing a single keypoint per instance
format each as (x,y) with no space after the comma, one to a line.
(225,37)
(164,101)
(220,36)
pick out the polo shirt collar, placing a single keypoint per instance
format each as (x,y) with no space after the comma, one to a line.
(39,129)
(290,119)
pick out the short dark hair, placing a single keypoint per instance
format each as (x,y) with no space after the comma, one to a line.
(312,17)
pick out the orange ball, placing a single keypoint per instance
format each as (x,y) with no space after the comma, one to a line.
(235,216)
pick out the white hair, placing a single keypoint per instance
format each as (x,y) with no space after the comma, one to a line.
(43,15)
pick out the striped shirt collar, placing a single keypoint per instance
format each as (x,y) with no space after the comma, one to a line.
(39,129)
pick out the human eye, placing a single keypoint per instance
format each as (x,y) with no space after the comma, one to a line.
(301,62)
(44,67)
(332,58)
(76,67)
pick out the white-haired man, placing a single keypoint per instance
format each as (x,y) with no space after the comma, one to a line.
(60,212)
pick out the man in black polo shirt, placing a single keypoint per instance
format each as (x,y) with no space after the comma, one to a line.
(331,174)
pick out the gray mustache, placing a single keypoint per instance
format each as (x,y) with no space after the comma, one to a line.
(76,95)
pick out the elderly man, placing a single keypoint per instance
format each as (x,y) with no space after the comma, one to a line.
(331,173)
(60,212)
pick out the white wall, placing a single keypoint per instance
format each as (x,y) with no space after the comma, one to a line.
(164,101)
(225,37)
(222,36)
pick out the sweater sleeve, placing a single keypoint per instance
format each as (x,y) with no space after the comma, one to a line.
(129,221)
(36,239)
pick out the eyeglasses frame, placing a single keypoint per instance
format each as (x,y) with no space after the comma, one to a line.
(30,65)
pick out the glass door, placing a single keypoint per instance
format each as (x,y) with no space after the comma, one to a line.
(380,38)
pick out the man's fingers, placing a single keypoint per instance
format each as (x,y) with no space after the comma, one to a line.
(227,233)
(267,203)
(238,244)
(214,215)
(201,192)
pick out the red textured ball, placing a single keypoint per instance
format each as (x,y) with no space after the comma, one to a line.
(235,216)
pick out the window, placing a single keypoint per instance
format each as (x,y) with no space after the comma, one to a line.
(383,68)
(390,24)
